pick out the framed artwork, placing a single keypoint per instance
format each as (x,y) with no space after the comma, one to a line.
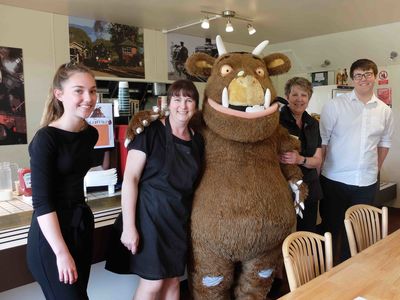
(319,78)
(180,48)
(108,49)
(12,97)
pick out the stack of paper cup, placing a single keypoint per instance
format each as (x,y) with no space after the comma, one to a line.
(123,98)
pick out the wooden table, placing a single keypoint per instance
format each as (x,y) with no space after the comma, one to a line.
(373,274)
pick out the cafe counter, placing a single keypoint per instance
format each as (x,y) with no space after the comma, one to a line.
(15,219)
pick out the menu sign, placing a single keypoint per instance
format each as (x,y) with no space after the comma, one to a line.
(102,120)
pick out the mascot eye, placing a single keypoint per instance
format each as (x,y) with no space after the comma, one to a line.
(226,69)
(260,72)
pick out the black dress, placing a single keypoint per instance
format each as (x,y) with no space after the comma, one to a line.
(163,206)
(310,140)
(59,161)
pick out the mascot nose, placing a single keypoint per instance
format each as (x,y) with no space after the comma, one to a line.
(240,73)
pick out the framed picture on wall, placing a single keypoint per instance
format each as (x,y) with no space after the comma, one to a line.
(319,78)
(108,49)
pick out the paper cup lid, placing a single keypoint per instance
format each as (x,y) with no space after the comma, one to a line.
(123,84)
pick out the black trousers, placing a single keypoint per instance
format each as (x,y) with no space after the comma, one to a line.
(42,261)
(309,220)
(338,197)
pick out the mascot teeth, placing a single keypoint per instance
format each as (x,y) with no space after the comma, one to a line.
(255,108)
(225,98)
(267,98)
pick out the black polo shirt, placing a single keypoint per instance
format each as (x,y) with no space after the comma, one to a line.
(309,137)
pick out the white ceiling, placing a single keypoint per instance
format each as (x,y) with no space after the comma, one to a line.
(275,20)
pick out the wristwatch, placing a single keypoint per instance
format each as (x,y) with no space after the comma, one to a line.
(304,161)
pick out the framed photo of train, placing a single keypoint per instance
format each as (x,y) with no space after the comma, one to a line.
(108,49)
(180,48)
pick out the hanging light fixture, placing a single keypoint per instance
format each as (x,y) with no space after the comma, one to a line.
(229,27)
(205,24)
(251,29)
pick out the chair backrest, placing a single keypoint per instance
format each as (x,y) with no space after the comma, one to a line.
(365,225)
(306,257)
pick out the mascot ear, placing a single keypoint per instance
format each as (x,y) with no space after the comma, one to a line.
(199,64)
(277,63)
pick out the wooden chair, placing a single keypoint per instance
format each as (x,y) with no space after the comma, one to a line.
(306,257)
(365,225)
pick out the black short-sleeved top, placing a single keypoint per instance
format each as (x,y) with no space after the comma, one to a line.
(59,161)
(152,142)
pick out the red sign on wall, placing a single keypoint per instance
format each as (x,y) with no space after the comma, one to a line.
(385,94)
(383,77)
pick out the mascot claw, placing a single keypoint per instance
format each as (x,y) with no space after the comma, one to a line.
(143,119)
(299,206)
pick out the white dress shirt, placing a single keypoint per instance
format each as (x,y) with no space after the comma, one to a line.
(352,132)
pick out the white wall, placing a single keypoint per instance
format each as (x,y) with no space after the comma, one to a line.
(34,32)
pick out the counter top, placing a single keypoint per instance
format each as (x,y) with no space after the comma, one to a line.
(17,214)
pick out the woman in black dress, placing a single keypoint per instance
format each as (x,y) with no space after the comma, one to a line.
(162,168)
(301,125)
(59,247)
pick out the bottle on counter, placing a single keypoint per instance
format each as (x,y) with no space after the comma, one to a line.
(24,176)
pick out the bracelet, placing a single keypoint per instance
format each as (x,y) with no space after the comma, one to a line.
(304,161)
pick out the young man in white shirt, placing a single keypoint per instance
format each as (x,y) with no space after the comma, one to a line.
(356,130)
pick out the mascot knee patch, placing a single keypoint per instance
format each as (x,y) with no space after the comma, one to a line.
(210,281)
(265,273)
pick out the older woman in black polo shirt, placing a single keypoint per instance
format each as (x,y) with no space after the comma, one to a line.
(300,124)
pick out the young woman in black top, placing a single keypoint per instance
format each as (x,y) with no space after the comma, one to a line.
(59,247)
(301,125)
(162,168)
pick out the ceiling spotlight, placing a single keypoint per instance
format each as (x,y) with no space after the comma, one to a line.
(229,27)
(205,24)
(251,29)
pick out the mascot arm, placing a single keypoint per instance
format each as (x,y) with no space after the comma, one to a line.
(293,173)
(142,119)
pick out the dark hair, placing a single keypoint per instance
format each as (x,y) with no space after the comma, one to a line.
(184,87)
(302,82)
(54,108)
(364,65)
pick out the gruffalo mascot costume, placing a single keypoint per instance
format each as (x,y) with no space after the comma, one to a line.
(243,207)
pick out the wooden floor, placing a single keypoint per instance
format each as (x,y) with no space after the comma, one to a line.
(281,287)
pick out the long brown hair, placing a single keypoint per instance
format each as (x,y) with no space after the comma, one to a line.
(54,108)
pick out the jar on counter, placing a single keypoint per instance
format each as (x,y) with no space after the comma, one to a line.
(6,188)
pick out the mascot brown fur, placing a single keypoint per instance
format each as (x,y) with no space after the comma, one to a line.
(243,207)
